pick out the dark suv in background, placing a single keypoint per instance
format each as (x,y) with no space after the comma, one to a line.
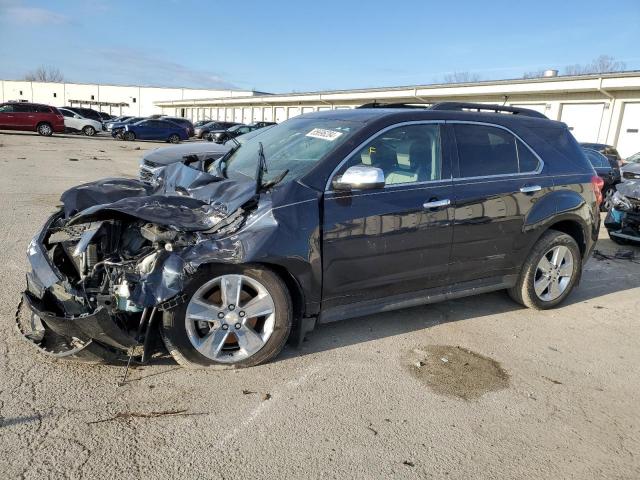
(31,117)
(323,217)
(608,170)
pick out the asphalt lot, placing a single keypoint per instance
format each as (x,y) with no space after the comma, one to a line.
(472,389)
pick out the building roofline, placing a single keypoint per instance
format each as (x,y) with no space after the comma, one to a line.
(131,85)
(486,87)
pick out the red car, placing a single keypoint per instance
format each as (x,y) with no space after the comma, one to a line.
(31,117)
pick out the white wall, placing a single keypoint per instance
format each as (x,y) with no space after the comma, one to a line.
(140,100)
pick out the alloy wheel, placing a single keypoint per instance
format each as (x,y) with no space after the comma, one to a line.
(230,318)
(553,273)
(45,129)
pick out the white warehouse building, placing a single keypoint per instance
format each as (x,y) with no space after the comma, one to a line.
(602,108)
(113,99)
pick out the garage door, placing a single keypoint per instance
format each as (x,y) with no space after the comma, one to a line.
(629,138)
(583,119)
(307,109)
(246,115)
(257,114)
(281,114)
(267,114)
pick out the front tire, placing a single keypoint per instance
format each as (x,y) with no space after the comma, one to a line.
(89,131)
(173,138)
(234,316)
(129,136)
(550,272)
(44,129)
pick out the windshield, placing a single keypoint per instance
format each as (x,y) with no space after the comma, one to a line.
(635,158)
(295,145)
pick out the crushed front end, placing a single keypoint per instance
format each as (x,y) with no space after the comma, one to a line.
(90,282)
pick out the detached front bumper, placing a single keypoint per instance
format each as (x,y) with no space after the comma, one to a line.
(57,323)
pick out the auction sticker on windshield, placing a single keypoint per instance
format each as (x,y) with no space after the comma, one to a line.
(324,134)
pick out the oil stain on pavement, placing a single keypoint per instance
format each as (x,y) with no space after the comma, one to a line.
(457,372)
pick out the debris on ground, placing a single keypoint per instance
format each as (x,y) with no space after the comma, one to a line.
(248,392)
(73,159)
(552,380)
(408,463)
(458,372)
(620,254)
(165,413)
(370,427)
(266,396)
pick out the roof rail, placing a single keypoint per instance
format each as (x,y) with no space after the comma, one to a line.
(375,104)
(525,112)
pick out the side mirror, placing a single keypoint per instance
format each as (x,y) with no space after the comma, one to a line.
(360,177)
(209,138)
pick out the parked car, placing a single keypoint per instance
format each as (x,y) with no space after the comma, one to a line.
(184,122)
(199,123)
(105,117)
(87,113)
(222,135)
(623,220)
(152,130)
(75,122)
(631,168)
(203,130)
(607,150)
(119,125)
(31,117)
(154,161)
(323,217)
(608,170)
(262,124)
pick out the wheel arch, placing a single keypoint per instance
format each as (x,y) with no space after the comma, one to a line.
(43,122)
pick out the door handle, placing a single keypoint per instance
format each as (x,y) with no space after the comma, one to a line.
(437,204)
(530,188)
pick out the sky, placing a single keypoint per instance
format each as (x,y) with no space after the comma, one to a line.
(287,46)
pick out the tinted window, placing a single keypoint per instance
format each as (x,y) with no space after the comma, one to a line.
(42,109)
(405,154)
(67,113)
(485,150)
(22,108)
(6,108)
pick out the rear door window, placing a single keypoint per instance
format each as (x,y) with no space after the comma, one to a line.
(6,108)
(485,151)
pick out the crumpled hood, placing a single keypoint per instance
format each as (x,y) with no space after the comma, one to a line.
(184,199)
(629,188)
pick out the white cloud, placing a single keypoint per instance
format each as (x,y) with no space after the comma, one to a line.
(154,70)
(22,15)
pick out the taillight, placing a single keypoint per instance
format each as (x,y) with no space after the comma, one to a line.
(597,183)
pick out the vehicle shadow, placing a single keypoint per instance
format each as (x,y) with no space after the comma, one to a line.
(601,278)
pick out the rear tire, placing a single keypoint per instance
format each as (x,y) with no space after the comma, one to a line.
(129,136)
(606,199)
(89,131)
(185,338)
(44,129)
(541,290)
(173,138)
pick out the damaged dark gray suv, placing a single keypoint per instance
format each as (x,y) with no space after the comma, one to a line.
(324,217)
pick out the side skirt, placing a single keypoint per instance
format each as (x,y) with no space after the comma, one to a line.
(413,299)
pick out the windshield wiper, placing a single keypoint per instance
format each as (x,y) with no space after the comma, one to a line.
(261,168)
(275,181)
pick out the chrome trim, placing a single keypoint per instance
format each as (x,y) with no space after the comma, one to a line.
(530,188)
(487,124)
(327,188)
(437,204)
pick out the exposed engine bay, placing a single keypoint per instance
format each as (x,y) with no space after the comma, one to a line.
(623,220)
(120,251)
